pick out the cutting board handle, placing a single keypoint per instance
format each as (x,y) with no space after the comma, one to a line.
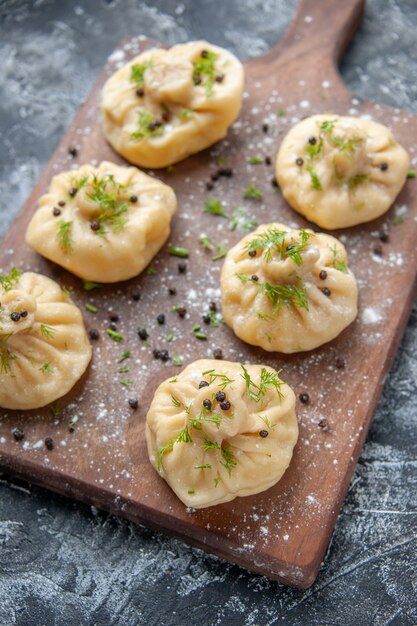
(317,37)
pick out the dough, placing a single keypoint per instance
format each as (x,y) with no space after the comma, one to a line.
(340,171)
(102,223)
(167,104)
(44,350)
(287,290)
(211,455)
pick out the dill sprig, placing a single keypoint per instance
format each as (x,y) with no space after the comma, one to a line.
(204,72)
(6,357)
(315,181)
(357,180)
(210,445)
(229,459)
(221,379)
(273,240)
(106,193)
(182,437)
(47,331)
(10,281)
(148,126)
(241,219)
(137,73)
(253,192)
(266,381)
(46,368)
(267,422)
(337,263)
(214,207)
(64,235)
(346,145)
(280,295)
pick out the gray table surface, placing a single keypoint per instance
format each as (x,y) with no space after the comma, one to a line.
(64,563)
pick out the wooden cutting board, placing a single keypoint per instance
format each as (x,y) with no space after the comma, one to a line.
(283,532)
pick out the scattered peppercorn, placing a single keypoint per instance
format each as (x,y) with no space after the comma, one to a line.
(113,317)
(226,172)
(143,333)
(73,191)
(383,166)
(182,268)
(164,355)
(71,429)
(324,424)
(204,54)
(263,433)
(377,249)
(133,199)
(383,236)
(312,141)
(112,326)
(217,353)
(219,78)
(133,403)
(225,406)
(304,397)
(213,307)
(206,318)
(56,211)
(207,404)
(274,183)
(172,291)
(252,253)
(299,161)
(209,186)
(265,128)
(73,151)
(220,396)
(49,443)
(340,363)
(254,277)
(156,353)
(215,176)
(323,275)
(61,203)
(161,319)
(95,225)
(203,383)
(18,434)
(136,295)
(326,291)
(15,316)
(140,92)
(23,313)
(268,160)
(93,334)
(182,312)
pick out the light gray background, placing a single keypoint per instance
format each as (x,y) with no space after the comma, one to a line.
(63,563)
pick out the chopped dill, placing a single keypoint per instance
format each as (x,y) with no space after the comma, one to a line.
(214,207)
(253,192)
(315,181)
(204,72)
(267,380)
(229,459)
(241,219)
(64,235)
(221,379)
(137,73)
(10,281)
(148,126)
(47,331)
(273,240)
(280,295)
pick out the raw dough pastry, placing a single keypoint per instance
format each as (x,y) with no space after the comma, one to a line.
(340,171)
(167,104)
(287,290)
(44,348)
(210,450)
(102,223)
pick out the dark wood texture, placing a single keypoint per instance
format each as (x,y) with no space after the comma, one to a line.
(282,533)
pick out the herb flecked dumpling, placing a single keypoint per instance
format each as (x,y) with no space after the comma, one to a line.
(44,348)
(287,290)
(220,430)
(102,223)
(340,171)
(167,104)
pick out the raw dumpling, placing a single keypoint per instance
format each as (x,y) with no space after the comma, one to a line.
(167,104)
(287,290)
(44,348)
(340,171)
(220,430)
(102,223)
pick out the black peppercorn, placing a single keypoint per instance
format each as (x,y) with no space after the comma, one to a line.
(207,404)
(217,353)
(268,160)
(164,355)
(312,141)
(143,333)
(23,313)
(61,203)
(206,319)
(133,403)
(263,433)
(95,225)
(93,334)
(274,183)
(227,172)
(304,398)
(172,291)
(133,199)
(156,353)
(15,316)
(220,396)
(182,312)
(140,92)
(252,253)
(113,317)
(161,319)
(340,363)
(326,291)
(112,326)
(73,192)
(265,128)
(209,186)
(377,250)
(255,278)
(383,166)
(203,383)
(73,151)
(323,275)
(204,54)
(56,211)
(299,161)
(136,295)
(182,268)
(215,176)
(18,434)
(213,307)
(49,443)
(219,78)
(384,236)
(225,406)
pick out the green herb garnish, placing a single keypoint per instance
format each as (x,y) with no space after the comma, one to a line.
(47,331)
(148,126)
(91,308)
(230,461)
(315,181)
(214,207)
(10,281)
(241,219)
(178,251)
(280,295)
(253,192)
(46,368)
(64,235)
(411,174)
(267,380)
(255,160)
(177,360)
(89,285)
(221,252)
(357,180)
(206,242)
(113,334)
(137,73)
(273,241)
(205,71)
(222,380)
(185,114)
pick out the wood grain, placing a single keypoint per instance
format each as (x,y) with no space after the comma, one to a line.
(282,533)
